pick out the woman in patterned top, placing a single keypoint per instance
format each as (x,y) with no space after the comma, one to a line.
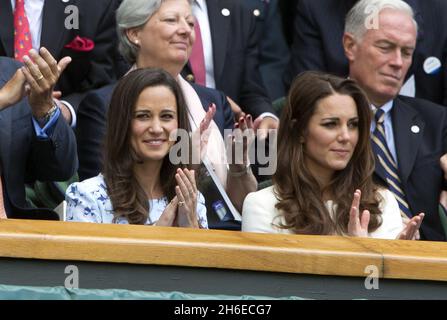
(139,183)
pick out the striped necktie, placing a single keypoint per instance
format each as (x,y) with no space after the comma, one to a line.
(386,161)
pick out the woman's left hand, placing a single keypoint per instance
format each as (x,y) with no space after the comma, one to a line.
(358,225)
(238,144)
(186,191)
(411,229)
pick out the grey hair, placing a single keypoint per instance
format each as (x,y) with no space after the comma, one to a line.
(134,14)
(357,18)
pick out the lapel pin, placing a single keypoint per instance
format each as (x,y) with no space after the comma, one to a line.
(225,12)
(256,12)
(415,129)
(432,65)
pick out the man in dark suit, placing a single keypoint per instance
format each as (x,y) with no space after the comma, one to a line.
(35,140)
(235,61)
(415,130)
(92,117)
(318,32)
(273,48)
(83,30)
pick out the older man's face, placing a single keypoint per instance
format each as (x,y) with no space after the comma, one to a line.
(380,61)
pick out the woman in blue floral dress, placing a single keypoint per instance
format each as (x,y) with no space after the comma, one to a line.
(139,183)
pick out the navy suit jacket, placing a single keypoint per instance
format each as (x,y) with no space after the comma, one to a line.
(235,56)
(92,117)
(273,48)
(317,45)
(24,158)
(418,155)
(88,70)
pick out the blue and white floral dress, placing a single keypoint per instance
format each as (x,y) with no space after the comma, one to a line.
(88,201)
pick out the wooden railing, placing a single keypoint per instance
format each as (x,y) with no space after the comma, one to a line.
(320,255)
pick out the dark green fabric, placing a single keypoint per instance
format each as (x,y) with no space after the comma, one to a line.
(279,104)
(265,184)
(48,194)
(443,218)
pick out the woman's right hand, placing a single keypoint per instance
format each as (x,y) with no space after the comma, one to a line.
(169,214)
(200,136)
(358,225)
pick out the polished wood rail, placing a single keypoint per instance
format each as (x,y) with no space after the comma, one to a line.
(143,245)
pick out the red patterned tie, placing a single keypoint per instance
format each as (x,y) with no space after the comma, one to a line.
(197,58)
(22,35)
(2,204)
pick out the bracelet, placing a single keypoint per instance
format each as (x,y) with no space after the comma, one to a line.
(44,120)
(239,173)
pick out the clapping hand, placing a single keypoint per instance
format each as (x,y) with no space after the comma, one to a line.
(186,192)
(13,91)
(358,225)
(200,135)
(169,214)
(42,74)
(411,229)
(240,140)
(263,125)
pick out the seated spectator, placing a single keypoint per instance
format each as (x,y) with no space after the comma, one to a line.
(225,57)
(35,140)
(323,184)
(139,184)
(318,33)
(273,48)
(409,135)
(161,34)
(83,30)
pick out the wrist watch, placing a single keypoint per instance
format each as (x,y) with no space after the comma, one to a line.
(50,113)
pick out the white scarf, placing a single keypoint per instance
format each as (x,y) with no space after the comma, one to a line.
(215,152)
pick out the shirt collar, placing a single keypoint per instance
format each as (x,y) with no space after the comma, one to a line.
(386,107)
(199,4)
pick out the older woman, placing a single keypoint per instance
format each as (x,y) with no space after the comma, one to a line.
(323,183)
(160,33)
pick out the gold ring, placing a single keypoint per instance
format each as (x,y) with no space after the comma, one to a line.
(181,203)
(40,77)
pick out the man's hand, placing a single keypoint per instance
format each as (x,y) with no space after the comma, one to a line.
(13,91)
(236,109)
(443,163)
(42,74)
(263,125)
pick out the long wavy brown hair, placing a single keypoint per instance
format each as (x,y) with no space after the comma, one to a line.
(300,196)
(128,198)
